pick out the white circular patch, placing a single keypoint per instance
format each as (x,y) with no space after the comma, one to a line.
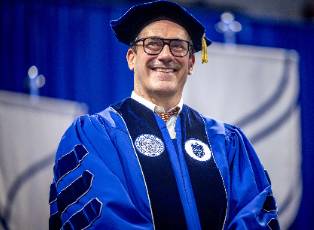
(197,150)
(149,145)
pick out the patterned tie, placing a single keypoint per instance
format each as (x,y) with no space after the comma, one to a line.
(166,115)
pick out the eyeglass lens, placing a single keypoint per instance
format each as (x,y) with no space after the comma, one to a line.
(154,46)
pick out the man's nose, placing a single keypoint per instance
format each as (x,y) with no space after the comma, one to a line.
(165,53)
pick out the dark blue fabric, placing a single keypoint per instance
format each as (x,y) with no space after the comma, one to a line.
(55,221)
(161,183)
(274,225)
(72,45)
(84,217)
(270,204)
(53,193)
(74,191)
(69,161)
(206,179)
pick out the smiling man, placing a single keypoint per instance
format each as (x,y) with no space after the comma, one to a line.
(150,161)
(161,58)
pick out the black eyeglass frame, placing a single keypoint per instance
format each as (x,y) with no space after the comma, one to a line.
(165,41)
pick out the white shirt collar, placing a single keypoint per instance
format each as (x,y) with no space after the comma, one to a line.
(150,105)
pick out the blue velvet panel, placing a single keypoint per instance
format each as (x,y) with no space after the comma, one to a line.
(54,221)
(274,225)
(85,217)
(270,204)
(53,193)
(74,191)
(165,200)
(69,162)
(207,183)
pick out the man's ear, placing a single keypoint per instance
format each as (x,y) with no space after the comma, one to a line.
(191,63)
(130,57)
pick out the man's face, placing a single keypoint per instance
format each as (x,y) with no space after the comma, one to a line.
(164,75)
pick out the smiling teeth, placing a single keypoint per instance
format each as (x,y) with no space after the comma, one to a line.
(164,70)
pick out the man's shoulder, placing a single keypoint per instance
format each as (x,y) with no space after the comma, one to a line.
(89,130)
(110,116)
(99,121)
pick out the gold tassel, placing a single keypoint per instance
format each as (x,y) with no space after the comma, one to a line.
(204,50)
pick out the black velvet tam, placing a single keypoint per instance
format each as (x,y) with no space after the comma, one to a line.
(127,27)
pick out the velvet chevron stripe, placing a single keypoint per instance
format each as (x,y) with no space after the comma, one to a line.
(74,191)
(84,217)
(69,161)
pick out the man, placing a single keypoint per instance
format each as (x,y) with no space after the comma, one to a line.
(133,166)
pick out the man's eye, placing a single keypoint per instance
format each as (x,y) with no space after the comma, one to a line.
(178,46)
(153,44)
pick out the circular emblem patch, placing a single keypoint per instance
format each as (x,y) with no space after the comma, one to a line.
(197,150)
(149,145)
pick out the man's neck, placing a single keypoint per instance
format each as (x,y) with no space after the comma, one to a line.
(165,103)
(152,102)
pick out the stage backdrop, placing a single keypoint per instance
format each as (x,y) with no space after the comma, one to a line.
(257,89)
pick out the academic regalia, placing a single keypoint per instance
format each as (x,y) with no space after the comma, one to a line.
(119,169)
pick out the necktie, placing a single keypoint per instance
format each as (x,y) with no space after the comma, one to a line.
(166,115)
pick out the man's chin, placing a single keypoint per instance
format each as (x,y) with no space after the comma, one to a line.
(165,91)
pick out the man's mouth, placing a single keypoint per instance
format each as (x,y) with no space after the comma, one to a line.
(163,70)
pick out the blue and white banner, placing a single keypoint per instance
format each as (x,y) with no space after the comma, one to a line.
(257,89)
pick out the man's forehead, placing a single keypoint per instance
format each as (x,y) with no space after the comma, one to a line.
(164,27)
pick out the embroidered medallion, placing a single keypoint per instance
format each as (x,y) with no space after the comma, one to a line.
(197,150)
(149,145)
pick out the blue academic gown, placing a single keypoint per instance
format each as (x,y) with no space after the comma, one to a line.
(119,169)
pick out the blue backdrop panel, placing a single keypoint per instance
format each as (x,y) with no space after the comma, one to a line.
(73,47)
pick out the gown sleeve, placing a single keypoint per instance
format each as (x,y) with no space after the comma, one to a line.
(88,188)
(252,205)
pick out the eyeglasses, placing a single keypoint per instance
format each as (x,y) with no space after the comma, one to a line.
(154,46)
